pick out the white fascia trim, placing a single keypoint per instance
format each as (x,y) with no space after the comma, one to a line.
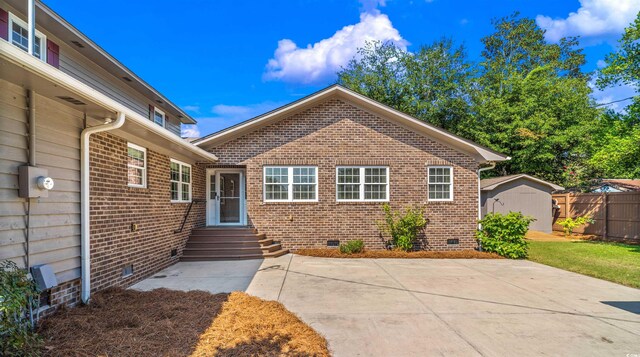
(552,185)
(484,152)
(32,64)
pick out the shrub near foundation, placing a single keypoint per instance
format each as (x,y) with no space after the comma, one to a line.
(351,247)
(504,234)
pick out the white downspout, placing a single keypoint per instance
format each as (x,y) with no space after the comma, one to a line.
(492,165)
(31,24)
(84,200)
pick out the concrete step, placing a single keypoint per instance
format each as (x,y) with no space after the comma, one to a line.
(205,257)
(223,238)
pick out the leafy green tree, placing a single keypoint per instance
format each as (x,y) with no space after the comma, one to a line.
(533,103)
(432,84)
(617,154)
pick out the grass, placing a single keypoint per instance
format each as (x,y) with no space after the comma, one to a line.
(619,263)
(164,322)
(335,253)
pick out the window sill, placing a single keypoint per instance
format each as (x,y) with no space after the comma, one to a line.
(136,186)
(264,203)
(449,202)
(181,201)
(360,202)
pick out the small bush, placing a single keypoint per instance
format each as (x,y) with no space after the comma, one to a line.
(352,247)
(18,294)
(569,224)
(504,234)
(403,228)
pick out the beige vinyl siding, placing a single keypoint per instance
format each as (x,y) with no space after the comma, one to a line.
(55,220)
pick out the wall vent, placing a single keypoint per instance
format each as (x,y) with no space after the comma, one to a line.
(127,79)
(159,101)
(453,241)
(174,252)
(72,100)
(78,44)
(333,243)
(127,270)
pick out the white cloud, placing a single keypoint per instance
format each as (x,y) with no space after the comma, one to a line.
(595,19)
(319,62)
(190,131)
(612,94)
(192,108)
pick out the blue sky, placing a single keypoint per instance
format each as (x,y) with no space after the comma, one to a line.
(227,61)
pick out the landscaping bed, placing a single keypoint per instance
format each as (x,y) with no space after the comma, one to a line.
(462,254)
(619,263)
(164,322)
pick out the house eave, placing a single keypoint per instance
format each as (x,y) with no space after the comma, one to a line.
(480,153)
(29,72)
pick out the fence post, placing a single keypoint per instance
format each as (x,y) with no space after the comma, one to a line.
(606,216)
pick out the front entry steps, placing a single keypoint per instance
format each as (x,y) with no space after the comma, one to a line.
(229,243)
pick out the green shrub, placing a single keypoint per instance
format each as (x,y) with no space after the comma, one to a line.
(504,234)
(350,247)
(403,228)
(18,294)
(569,224)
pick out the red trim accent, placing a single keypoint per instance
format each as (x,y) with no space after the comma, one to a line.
(53,54)
(4,24)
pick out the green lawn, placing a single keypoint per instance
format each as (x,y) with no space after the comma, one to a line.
(619,263)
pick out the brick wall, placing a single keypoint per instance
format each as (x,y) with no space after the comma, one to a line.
(337,133)
(115,207)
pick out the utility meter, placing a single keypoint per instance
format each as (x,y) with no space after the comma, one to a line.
(34,182)
(45,183)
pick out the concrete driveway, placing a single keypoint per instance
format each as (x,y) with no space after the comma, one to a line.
(395,307)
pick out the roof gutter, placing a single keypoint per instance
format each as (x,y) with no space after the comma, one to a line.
(84,201)
(63,80)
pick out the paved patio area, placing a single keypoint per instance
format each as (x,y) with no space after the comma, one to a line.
(394,307)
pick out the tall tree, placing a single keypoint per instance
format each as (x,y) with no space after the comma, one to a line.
(534,102)
(618,152)
(432,84)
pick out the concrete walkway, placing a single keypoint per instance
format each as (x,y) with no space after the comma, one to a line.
(421,307)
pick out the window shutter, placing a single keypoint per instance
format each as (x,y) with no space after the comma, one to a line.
(166,119)
(53,54)
(151,108)
(4,24)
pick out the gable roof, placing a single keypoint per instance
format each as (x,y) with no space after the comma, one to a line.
(491,183)
(481,153)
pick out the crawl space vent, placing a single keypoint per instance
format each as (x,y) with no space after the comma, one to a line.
(174,252)
(73,100)
(127,270)
(453,241)
(333,243)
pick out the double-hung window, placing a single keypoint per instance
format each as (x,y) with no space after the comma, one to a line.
(19,36)
(440,183)
(362,183)
(290,183)
(136,165)
(180,181)
(158,117)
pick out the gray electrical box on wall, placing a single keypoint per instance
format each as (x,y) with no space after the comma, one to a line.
(33,182)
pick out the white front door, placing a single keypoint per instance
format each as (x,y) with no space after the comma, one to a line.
(226,197)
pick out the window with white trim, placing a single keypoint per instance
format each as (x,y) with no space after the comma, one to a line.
(158,117)
(367,183)
(440,183)
(136,165)
(19,36)
(290,183)
(180,181)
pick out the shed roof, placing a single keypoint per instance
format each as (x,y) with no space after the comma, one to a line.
(491,183)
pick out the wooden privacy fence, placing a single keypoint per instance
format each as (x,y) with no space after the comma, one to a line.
(616,215)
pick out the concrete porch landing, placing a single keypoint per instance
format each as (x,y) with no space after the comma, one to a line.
(426,307)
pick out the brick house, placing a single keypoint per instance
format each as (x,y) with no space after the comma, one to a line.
(131,197)
(319,170)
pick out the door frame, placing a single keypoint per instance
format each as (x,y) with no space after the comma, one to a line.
(215,220)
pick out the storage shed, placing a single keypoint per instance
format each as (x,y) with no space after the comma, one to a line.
(520,193)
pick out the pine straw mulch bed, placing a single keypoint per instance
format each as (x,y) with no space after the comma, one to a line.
(164,322)
(461,254)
